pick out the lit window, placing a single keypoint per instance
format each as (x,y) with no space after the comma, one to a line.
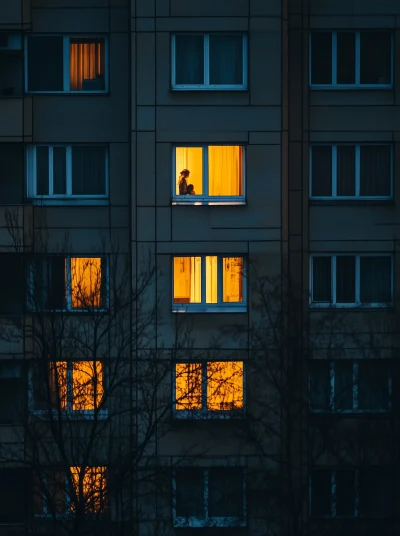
(351,59)
(90,488)
(212,172)
(84,57)
(208,283)
(215,387)
(86,281)
(58,172)
(351,171)
(209,61)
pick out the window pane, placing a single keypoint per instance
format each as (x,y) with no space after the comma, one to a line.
(211,279)
(321,493)
(321,283)
(375,279)
(93,485)
(12,173)
(55,282)
(345,493)
(45,63)
(59,170)
(189,59)
(376,496)
(55,487)
(232,279)
(188,386)
(375,57)
(13,493)
(346,58)
(226,59)
(86,282)
(88,170)
(321,171)
(373,385)
(87,385)
(375,170)
(187,279)
(345,279)
(344,381)
(225,492)
(87,64)
(58,385)
(225,170)
(320,384)
(42,170)
(224,385)
(189,170)
(321,58)
(189,492)
(346,170)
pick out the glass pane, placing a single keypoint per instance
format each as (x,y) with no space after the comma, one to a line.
(346,58)
(189,170)
(345,493)
(321,279)
(321,58)
(346,170)
(86,282)
(59,170)
(42,171)
(345,279)
(56,490)
(187,279)
(225,492)
(373,385)
(58,385)
(87,385)
(375,170)
(224,385)
(225,170)
(226,59)
(45,63)
(189,59)
(88,170)
(344,381)
(321,171)
(211,279)
(376,492)
(93,486)
(232,271)
(55,282)
(375,57)
(189,494)
(321,493)
(87,64)
(188,386)
(320,384)
(375,279)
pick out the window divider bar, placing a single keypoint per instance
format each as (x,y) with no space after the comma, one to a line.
(68,283)
(220,279)
(205,171)
(204,380)
(355,385)
(206,494)
(334,57)
(333,278)
(333,493)
(357,58)
(357,281)
(203,278)
(357,155)
(51,170)
(334,170)
(70,381)
(206,59)
(68,162)
(66,63)
(332,386)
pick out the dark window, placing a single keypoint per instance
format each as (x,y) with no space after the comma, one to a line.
(11,392)
(225,493)
(345,493)
(346,170)
(88,170)
(320,384)
(346,58)
(375,170)
(189,59)
(189,492)
(226,59)
(321,58)
(13,494)
(322,279)
(373,385)
(11,289)
(376,497)
(59,170)
(42,170)
(375,57)
(321,492)
(375,279)
(321,171)
(343,384)
(48,280)
(345,279)
(11,173)
(45,63)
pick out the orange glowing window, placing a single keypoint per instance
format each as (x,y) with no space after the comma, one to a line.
(86,64)
(90,488)
(58,383)
(188,386)
(87,385)
(86,282)
(187,279)
(233,279)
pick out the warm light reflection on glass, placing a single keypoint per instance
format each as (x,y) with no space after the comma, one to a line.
(93,487)
(188,386)
(59,385)
(87,385)
(187,280)
(233,279)
(190,158)
(86,279)
(85,63)
(211,279)
(224,385)
(225,170)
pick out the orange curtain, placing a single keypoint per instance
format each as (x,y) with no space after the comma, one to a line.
(86,279)
(225,170)
(188,389)
(233,279)
(211,280)
(224,385)
(85,63)
(187,280)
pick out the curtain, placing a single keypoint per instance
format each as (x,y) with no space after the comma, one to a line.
(86,63)
(189,59)
(225,170)
(224,385)
(188,386)
(226,59)
(86,282)
(345,279)
(187,279)
(211,279)
(375,280)
(375,170)
(232,270)
(346,170)
(88,170)
(87,385)
(321,171)
(322,283)
(190,158)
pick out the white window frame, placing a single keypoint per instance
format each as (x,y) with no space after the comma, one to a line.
(206,51)
(66,64)
(220,306)
(357,303)
(51,198)
(357,195)
(206,521)
(357,84)
(333,494)
(205,199)
(332,399)
(204,412)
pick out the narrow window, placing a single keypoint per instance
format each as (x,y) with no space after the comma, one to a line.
(188,386)
(87,385)
(86,282)
(322,279)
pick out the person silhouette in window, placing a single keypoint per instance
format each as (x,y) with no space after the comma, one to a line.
(190,190)
(182,183)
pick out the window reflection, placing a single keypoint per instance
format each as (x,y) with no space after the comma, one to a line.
(93,486)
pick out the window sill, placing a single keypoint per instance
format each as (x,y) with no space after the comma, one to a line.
(198,308)
(86,92)
(193,200)
(83,415)
(350,412)
(355,306)
(231,414)
(351,87)
(209,88)
(209,522)
(351,201)
(68,201)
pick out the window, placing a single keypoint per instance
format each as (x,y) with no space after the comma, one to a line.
(12,173)
(209,61)
(56,63)
(351,281)
(209,497)
(11,392)
(346,59)
(213,172)
(351,171)
(69,387)
(209,283)
(67,283)
(349,492)
(11,275)
(346,386)
(53,495)
(66,172)
(208,389)
(13,494)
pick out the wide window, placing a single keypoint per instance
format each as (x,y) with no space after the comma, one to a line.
(210,172)
(209,389)
(351,281)
(351,171)
(212,497)
(347,59)
(58,63)
(209,61)
(61,172)
(67,283)
(346,386)
(209,283)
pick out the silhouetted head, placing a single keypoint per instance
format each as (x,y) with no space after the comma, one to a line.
(185,173)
